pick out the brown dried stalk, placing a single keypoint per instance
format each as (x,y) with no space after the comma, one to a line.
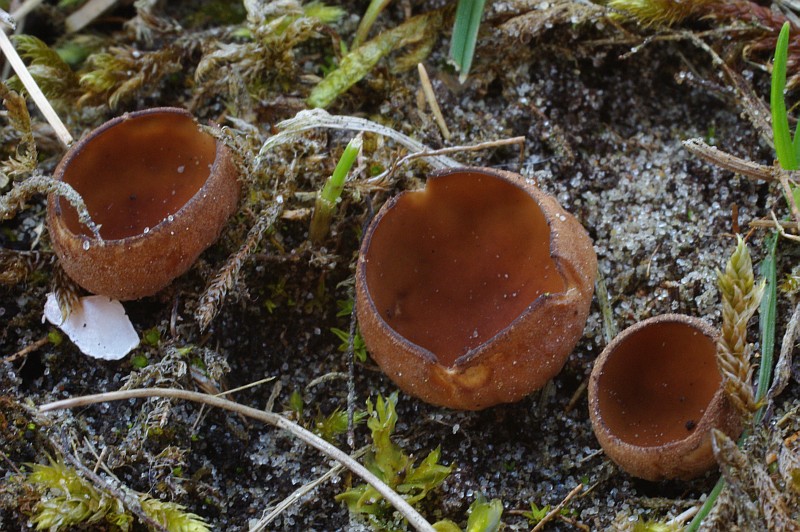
(414,518)
(66,290)
(783,368)
(730,162)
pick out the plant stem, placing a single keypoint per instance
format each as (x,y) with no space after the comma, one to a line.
(86,14)
(557,510)
(327,197)
(395,499)
(730,162)
(430,96)
(373,10)
(26,7)
(707,506)
(228,276)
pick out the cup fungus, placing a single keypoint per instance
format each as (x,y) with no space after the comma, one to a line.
(655,393)
(473,291)
(160,188)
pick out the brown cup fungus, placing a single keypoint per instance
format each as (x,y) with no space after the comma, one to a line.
(161,190)
(473,291)
(655,393)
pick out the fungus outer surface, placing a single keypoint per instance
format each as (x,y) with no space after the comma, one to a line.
(452,265)
(656,385)
(161,189)
(139,172)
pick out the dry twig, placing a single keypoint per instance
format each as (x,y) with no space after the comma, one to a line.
(555,511)
(30,348)
(430,96)
(446,151)
(783,368)
(400,504)
(33,89)
(300,492)
(730,162)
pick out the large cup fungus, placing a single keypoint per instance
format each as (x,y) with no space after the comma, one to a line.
(473,291)
(655,393)
(161,190)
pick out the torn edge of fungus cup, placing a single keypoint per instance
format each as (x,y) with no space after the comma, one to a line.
(474,290)
(98,326)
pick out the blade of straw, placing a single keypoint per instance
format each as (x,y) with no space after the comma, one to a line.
(33,89)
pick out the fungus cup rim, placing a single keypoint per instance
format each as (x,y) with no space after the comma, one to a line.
(84,142)
(662,461)
(139,265)
(475,353)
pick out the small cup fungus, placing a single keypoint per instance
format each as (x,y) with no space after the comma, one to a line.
(160,188)
(655,393)
(473,291)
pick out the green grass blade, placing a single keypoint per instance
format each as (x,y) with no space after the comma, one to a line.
(694,526)
(465,35)
(767,321)
(335,184)
(459,38)
(327,197)
(780,121)
(796,142)
(368,20)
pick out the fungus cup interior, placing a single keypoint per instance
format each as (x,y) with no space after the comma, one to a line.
(138,172)
(454,264)
(656,385)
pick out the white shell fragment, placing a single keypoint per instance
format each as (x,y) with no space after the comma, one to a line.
(98,326)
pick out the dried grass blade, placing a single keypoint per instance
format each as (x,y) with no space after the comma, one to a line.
(395,499)
(783,369)
(319,118)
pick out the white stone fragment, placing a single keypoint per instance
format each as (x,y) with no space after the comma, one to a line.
(98,326)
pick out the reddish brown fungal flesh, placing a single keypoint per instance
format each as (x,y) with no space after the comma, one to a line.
(657,385)
(471,263)
(474,291)
(129,190)
(161,189)
(656,393)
